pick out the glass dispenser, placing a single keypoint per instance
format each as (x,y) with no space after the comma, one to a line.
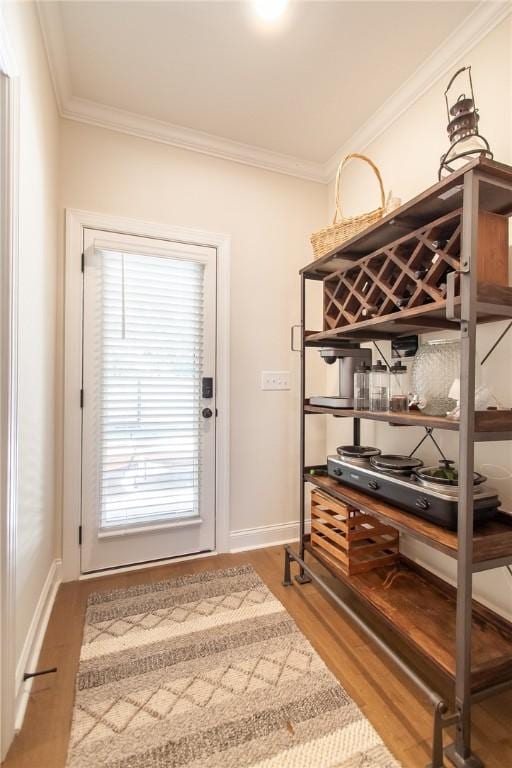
(379,387)
(362,387)
(398,394)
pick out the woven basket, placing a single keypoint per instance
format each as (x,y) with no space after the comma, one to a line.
(342,228)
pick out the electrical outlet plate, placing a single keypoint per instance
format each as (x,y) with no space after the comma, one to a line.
(275,379)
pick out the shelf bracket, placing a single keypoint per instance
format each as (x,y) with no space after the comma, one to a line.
(380,353)
(498,340)
(450,296)
(465,268)
(429,433)
(293,348)
(441,721)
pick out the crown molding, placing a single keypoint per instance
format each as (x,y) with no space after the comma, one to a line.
(8,66)
(486,16)
(52,27)
(103,116)
(120,120)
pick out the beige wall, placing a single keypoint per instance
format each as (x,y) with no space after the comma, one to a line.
(269,217)
(408,155)
(39,159)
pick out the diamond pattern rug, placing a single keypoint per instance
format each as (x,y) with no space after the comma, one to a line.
(209,671)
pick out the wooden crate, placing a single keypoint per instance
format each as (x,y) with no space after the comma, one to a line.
(350,539)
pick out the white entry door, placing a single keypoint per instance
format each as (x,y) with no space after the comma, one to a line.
(148,434)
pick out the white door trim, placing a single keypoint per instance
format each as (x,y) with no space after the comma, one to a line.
(76,222)
(9,175)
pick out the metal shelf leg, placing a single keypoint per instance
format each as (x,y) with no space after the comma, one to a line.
(437,738)
(302,577)
(462,762)
(287,580)
(460,753)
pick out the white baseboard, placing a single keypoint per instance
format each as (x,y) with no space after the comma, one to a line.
(263,536)
(34,640)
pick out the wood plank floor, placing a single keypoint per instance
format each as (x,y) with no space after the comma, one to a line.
(389,701)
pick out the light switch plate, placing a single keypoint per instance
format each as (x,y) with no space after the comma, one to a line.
(275,379)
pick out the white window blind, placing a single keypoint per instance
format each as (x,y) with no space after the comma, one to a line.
(150,351)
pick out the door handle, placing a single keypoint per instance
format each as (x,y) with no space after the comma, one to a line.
(207,413)
(292,337)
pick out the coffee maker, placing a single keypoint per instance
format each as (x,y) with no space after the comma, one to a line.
(347,357)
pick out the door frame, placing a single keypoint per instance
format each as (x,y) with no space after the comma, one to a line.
(9,292)
(76,222)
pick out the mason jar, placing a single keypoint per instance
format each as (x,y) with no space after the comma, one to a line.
(379,387)
(398,389)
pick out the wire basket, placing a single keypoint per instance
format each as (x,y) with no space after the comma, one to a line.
(342,228)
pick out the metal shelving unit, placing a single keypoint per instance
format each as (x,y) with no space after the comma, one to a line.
(481,186)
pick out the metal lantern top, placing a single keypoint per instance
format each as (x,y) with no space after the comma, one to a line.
(463,118)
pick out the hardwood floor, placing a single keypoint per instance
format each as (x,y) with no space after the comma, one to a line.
(389,701)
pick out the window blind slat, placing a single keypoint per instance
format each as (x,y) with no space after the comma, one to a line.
(150,349)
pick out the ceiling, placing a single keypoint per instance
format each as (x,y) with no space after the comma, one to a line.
(298,89)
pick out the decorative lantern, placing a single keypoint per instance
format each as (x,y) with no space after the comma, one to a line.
(462,128)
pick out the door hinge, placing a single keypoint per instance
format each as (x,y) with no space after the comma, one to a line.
(83,262)
(81,398)
(79,535)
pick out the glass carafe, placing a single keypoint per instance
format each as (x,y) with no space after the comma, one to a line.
(398,389)
(379,387)
(362,387)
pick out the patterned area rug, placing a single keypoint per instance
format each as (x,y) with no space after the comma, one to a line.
(209,671)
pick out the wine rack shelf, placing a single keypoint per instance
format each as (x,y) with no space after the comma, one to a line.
(411,272)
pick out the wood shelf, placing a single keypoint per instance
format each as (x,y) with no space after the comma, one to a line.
(494,303)
(408,273)
(489,425)
(492,540)
(408,419)
(439,200)
(420,609)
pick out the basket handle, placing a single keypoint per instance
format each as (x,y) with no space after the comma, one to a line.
(355,155)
